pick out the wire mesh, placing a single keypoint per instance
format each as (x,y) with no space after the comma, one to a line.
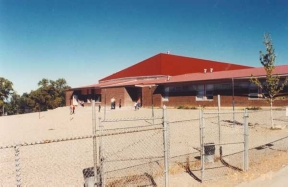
(133,152)
(265,141)
(223,143)
(7,165)
(56,164)
(184,141)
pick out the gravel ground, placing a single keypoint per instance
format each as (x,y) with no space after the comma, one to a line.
(61,163)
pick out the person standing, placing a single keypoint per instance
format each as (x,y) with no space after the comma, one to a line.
(112,103)
(72,109)
(135,105)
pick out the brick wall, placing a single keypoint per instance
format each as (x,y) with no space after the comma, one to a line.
(109,93)
(147,99)
(226,101)
(117,93)
(68,96)
(129,95)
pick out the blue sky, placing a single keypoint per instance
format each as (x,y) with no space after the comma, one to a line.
(84,41)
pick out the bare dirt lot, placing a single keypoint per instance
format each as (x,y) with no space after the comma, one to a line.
(54,160)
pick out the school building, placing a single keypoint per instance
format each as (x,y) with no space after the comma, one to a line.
(174,81)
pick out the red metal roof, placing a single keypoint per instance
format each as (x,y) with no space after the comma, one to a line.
(192,77)
(167,64)
(237,74)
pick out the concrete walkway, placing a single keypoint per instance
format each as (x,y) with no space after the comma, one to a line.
(275,179)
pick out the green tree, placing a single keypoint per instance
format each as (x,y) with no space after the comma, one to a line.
(24,105)
(272,84)
(6,90)
(49,95)
(43,83)
(13,105)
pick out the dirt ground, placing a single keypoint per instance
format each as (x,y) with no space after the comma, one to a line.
(61,164)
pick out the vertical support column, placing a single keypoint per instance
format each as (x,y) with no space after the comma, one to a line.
(202,144)
(246,146)
(219,122)
(94,127)
(200,130)
(152,103)
(165,135)
(17,165)
(102,172)
(105,106)
(233,102)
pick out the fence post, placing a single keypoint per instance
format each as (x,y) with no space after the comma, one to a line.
(219,121)
(102,173)
(166,163)
(94,142)
(17,165)
(246,146)
(202,144)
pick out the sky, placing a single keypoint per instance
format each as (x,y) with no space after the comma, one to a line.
(83,41)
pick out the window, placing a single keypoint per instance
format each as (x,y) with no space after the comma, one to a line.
(200,93)
(255,92)
(204,92)
(166,94)
(209,91)
(225,86)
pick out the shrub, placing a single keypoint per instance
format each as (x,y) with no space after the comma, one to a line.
(253,108)
(180,107)
(186,107)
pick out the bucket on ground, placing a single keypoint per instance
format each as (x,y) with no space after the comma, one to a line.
(209,150)
(88,174)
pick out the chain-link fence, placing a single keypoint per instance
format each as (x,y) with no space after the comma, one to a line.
(46,163)
(184,141)
(222,140)
(132,153)
(203,144)
(266,139)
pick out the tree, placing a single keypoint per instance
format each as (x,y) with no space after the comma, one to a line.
(43,83)
(6,89)
(272,84)
(24,105)
(49,95)
(13,105)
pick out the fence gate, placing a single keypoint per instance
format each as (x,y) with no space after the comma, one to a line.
(184,140)
(131,152)
(223,142)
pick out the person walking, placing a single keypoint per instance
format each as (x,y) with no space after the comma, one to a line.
(72,109)
(112,103)
(135,105)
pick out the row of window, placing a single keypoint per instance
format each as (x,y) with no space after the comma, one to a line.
(224,86)
(205,91)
